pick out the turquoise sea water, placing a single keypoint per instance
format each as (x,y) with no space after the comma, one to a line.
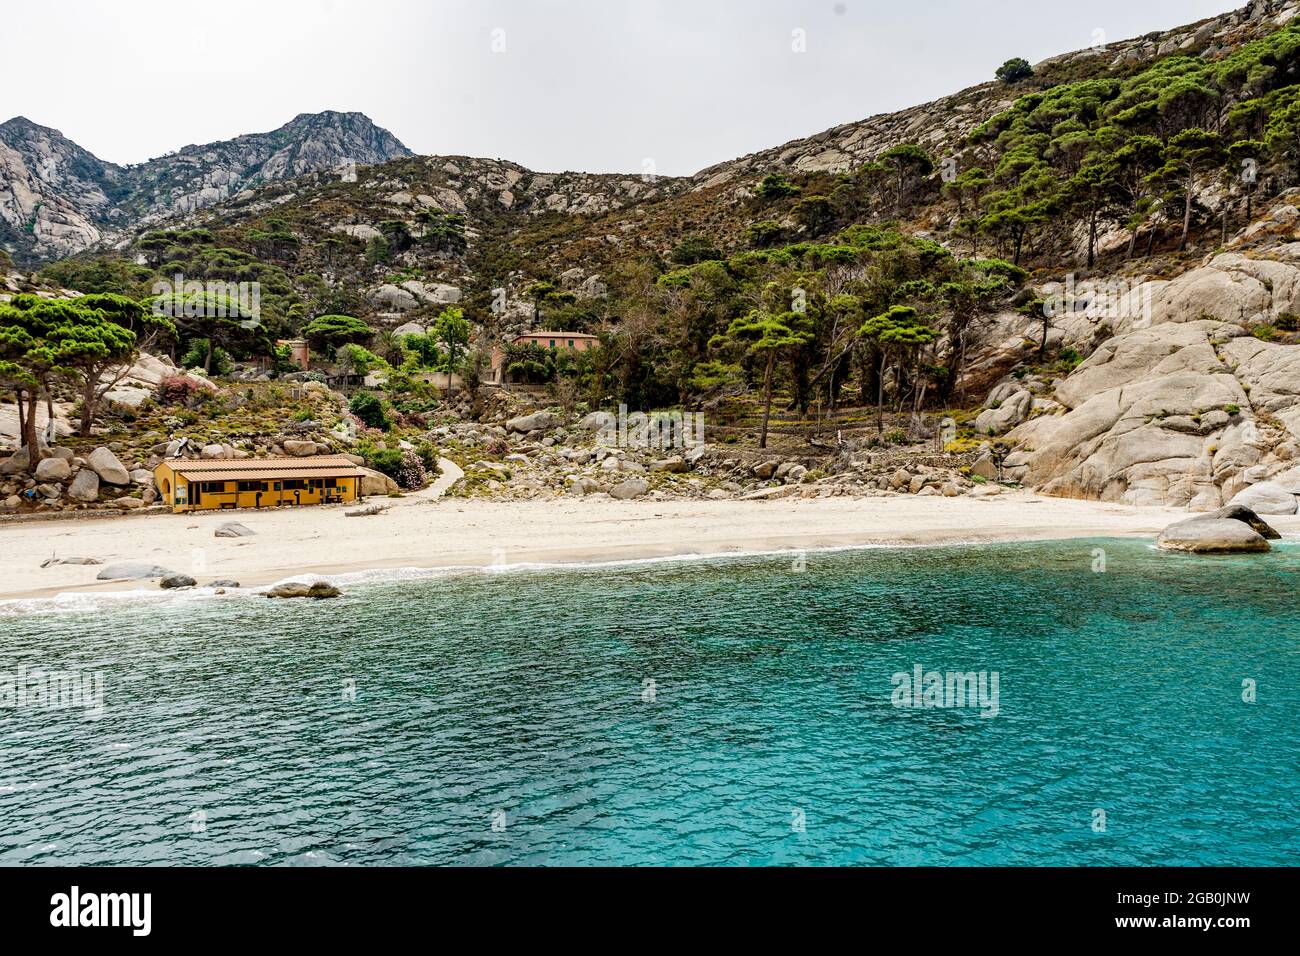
(508,718)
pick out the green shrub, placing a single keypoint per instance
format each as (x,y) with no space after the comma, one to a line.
(1015,69)
(369,409)
(387,461)
(775,186)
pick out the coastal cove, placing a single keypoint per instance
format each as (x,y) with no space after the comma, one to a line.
(734,710)
(448,533)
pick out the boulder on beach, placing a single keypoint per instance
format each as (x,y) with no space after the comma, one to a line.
(1266,498)
(131,571)
(631,488)
(1229,530)
(172,581)
(233,529)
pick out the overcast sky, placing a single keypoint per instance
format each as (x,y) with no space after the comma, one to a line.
(598,85)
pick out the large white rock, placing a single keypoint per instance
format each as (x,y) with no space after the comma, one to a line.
(1266,498)
(53,469)
(108,467)
(393,297)
(533,422)
(1159,416)
(131,571)
(377,483)
(1010,411)
(1227,530)
(298,448)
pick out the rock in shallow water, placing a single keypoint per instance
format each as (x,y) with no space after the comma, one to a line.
(297,589)
(1228,530)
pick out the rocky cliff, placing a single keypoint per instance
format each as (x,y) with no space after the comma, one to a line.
(1189,394)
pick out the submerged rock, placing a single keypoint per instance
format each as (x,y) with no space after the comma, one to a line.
(1228,530)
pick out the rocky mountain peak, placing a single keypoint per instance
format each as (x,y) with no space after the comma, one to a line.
(57,198)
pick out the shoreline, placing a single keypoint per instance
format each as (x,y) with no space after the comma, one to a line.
(441,534)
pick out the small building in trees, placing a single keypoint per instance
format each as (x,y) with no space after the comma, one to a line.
(571,341)
(299,353)
(212,484)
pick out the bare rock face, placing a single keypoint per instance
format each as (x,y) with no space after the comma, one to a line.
(1004,413)
(1229,530)
(1170,414)
(435,293)
(393,298)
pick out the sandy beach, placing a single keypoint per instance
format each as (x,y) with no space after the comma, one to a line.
(451,532)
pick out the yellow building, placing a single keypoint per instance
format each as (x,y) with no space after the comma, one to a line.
(217,483)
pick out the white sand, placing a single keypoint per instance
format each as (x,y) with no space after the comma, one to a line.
(450,532)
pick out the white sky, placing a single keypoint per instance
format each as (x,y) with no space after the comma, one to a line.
(598,85)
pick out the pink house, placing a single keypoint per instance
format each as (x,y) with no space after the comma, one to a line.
(574,341)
